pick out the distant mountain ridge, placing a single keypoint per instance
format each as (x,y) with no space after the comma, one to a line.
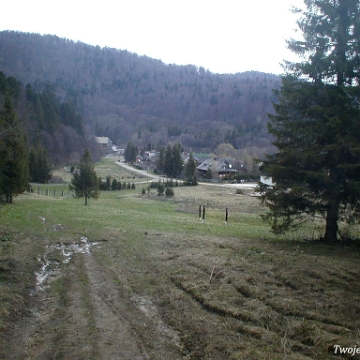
(135,98)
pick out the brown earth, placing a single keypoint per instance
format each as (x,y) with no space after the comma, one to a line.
(198,305)
(91,314)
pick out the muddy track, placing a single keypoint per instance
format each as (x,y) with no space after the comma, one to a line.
(114,335)
(88,312)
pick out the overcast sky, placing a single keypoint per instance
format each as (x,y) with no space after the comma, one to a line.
(224,36)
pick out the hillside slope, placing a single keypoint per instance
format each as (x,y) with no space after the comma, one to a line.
(128,97)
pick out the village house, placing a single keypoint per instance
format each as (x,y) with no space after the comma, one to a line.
(105,143)
(151,155)
(219,167)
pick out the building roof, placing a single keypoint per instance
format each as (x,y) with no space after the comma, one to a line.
(219,165)
(102,140)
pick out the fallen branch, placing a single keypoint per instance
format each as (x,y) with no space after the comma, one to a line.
(212,272)
(219,273)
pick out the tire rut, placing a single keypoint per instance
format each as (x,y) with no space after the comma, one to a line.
(128,325)
(114,336)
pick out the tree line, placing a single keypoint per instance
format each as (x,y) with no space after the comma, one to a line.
(30,141)
(113,184)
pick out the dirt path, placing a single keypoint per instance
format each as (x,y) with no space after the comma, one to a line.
(88,312)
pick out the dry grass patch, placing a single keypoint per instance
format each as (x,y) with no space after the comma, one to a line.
(293,303)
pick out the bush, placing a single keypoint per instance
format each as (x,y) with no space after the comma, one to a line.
(161,189)
(169,192)
(55,179)
(192,181)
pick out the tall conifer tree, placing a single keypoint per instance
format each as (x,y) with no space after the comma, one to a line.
(173,164)
(39,165)
(316,128)
(131,152)
(85,182)
(168,162)
(177,160)
(161,161)
(190,171)
(14,165)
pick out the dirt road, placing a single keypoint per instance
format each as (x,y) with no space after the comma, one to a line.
(89,312)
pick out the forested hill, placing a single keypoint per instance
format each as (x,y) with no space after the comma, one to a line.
(129,97)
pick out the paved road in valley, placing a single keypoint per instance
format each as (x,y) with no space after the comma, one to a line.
(154,177)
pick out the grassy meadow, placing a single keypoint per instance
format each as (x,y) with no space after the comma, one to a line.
(229,291)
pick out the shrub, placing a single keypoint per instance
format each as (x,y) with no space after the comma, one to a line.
(161,189)
(169,192)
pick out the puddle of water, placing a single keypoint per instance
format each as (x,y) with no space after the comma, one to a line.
(45,270)
(51,269)
(82,247)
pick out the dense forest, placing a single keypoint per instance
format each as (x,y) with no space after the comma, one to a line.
(135,98)
(54,132)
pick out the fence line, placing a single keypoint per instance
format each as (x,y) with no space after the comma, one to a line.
(46,192)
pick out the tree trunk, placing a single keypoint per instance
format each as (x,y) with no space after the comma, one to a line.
(86,198)
(332,218)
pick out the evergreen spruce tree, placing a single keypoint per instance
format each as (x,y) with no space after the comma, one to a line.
(161,161)
(190,171)
(39,165)
(168,162)
(316,128)
(114,184)
(14,164)
(130,152)
(178,163)
(173,164)
(85,182)
(108,183)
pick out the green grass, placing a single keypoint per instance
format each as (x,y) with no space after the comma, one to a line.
(118,210)
(109,166)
